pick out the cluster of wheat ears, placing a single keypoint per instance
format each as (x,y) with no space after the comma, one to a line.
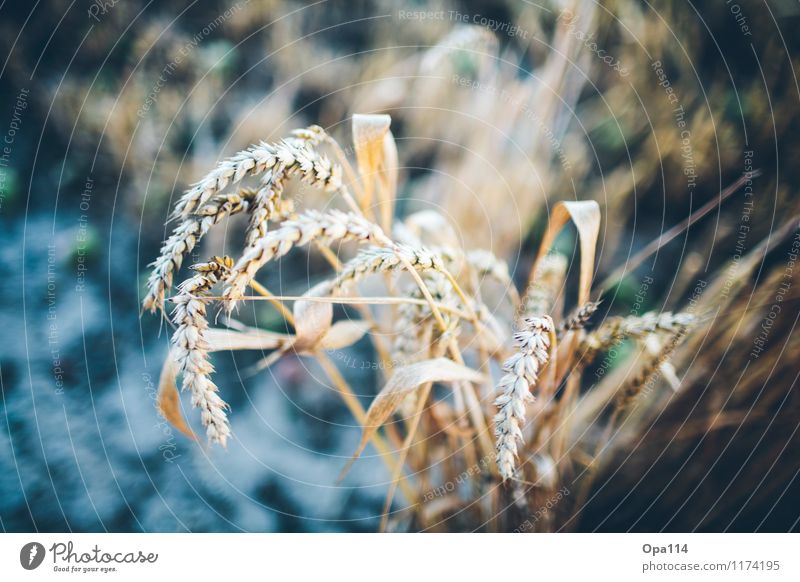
(511,419)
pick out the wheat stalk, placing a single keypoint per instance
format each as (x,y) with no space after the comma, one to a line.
(185,237)
(191,347)
(521,375)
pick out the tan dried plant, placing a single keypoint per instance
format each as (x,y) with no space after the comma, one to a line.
(515,428)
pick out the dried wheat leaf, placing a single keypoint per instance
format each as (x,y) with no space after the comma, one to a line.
(312,319)
(404,381)
(220,340)
(168,400)
(343,334)
(369,133)
(586,216)
(388,180)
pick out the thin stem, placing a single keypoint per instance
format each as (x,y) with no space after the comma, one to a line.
(475,413)
(261,290)
(412,431)
(350,301)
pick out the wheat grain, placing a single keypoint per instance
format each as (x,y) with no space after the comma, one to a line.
(249,162)
(185,237)
(307,227)
(521,375)
(191,347)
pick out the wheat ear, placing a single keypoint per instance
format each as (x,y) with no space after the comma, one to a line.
(249,162)
(191,346)
(521,375)
(185,237)
(294,156)
(307,227)
(615,329)
(578,318)
(634,388)
(384,260)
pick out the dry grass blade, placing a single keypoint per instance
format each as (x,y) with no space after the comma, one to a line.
(631,264)
(586,216)
(376,155)
(404,381)
(168,400)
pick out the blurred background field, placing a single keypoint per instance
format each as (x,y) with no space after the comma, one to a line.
(500,109)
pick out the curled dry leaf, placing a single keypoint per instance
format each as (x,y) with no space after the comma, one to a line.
(376,155)
(586,216)
(168,399)
(404,381)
